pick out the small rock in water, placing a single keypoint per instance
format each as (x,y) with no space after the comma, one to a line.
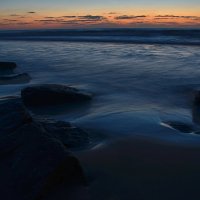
(7,65)
(52,94)
(180,126)
(196,108)
(15,79)
(197,97)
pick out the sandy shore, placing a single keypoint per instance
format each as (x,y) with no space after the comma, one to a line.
(133,168)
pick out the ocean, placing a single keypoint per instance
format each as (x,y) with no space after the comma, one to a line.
(123,35)
(143,80)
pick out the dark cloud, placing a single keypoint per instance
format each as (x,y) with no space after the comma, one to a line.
(4,24)
(92,17)
(86,19)
(49,17)
(31,12)
(162,18)
(176,17)
(69,16)
(50,21)
(124,17)
(72,19)
(23,23)
(15,15)
(112,13)
(70,22)
(139,22)
(167,16)
(10,20)
(45,20)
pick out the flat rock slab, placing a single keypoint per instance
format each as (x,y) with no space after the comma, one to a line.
(53,94)
(15,79)
(33,158)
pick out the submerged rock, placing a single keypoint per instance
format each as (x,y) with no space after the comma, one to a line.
(52,94)
(180,126)
(15,79)
(7,65)
(34,159)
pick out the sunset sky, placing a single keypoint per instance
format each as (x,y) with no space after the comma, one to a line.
(25,14)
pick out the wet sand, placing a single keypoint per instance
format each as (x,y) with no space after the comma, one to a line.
(133,168)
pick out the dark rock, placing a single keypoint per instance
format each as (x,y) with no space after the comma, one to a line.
(180,126)
(196,108)
(71,136)
(33,160)
(7,65)
(196,114)
(13,114)
(15,79)
(52,94)
(35,164)
(196,98)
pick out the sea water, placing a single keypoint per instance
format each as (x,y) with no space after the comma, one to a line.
(140,81)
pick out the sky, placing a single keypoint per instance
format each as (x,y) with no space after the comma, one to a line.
(36,14)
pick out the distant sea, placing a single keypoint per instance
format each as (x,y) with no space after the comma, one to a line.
(140,36)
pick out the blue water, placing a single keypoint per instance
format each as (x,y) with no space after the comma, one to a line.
(136,85)
(130,81)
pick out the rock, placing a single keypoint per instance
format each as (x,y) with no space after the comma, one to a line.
(196,114)
(52,94)
(71,136)
(33,161)
(15,79)
(13,114)
(7,65)
(196,108)
(180,126)
(35,164)
(196,97)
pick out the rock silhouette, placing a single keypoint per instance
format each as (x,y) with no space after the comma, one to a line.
(52,94)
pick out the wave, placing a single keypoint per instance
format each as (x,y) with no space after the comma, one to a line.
(140,36)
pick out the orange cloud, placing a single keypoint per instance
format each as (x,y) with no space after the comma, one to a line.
(32,19)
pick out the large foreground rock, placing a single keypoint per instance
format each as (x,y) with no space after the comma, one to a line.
(52,94)
(33,161)
(15,79)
